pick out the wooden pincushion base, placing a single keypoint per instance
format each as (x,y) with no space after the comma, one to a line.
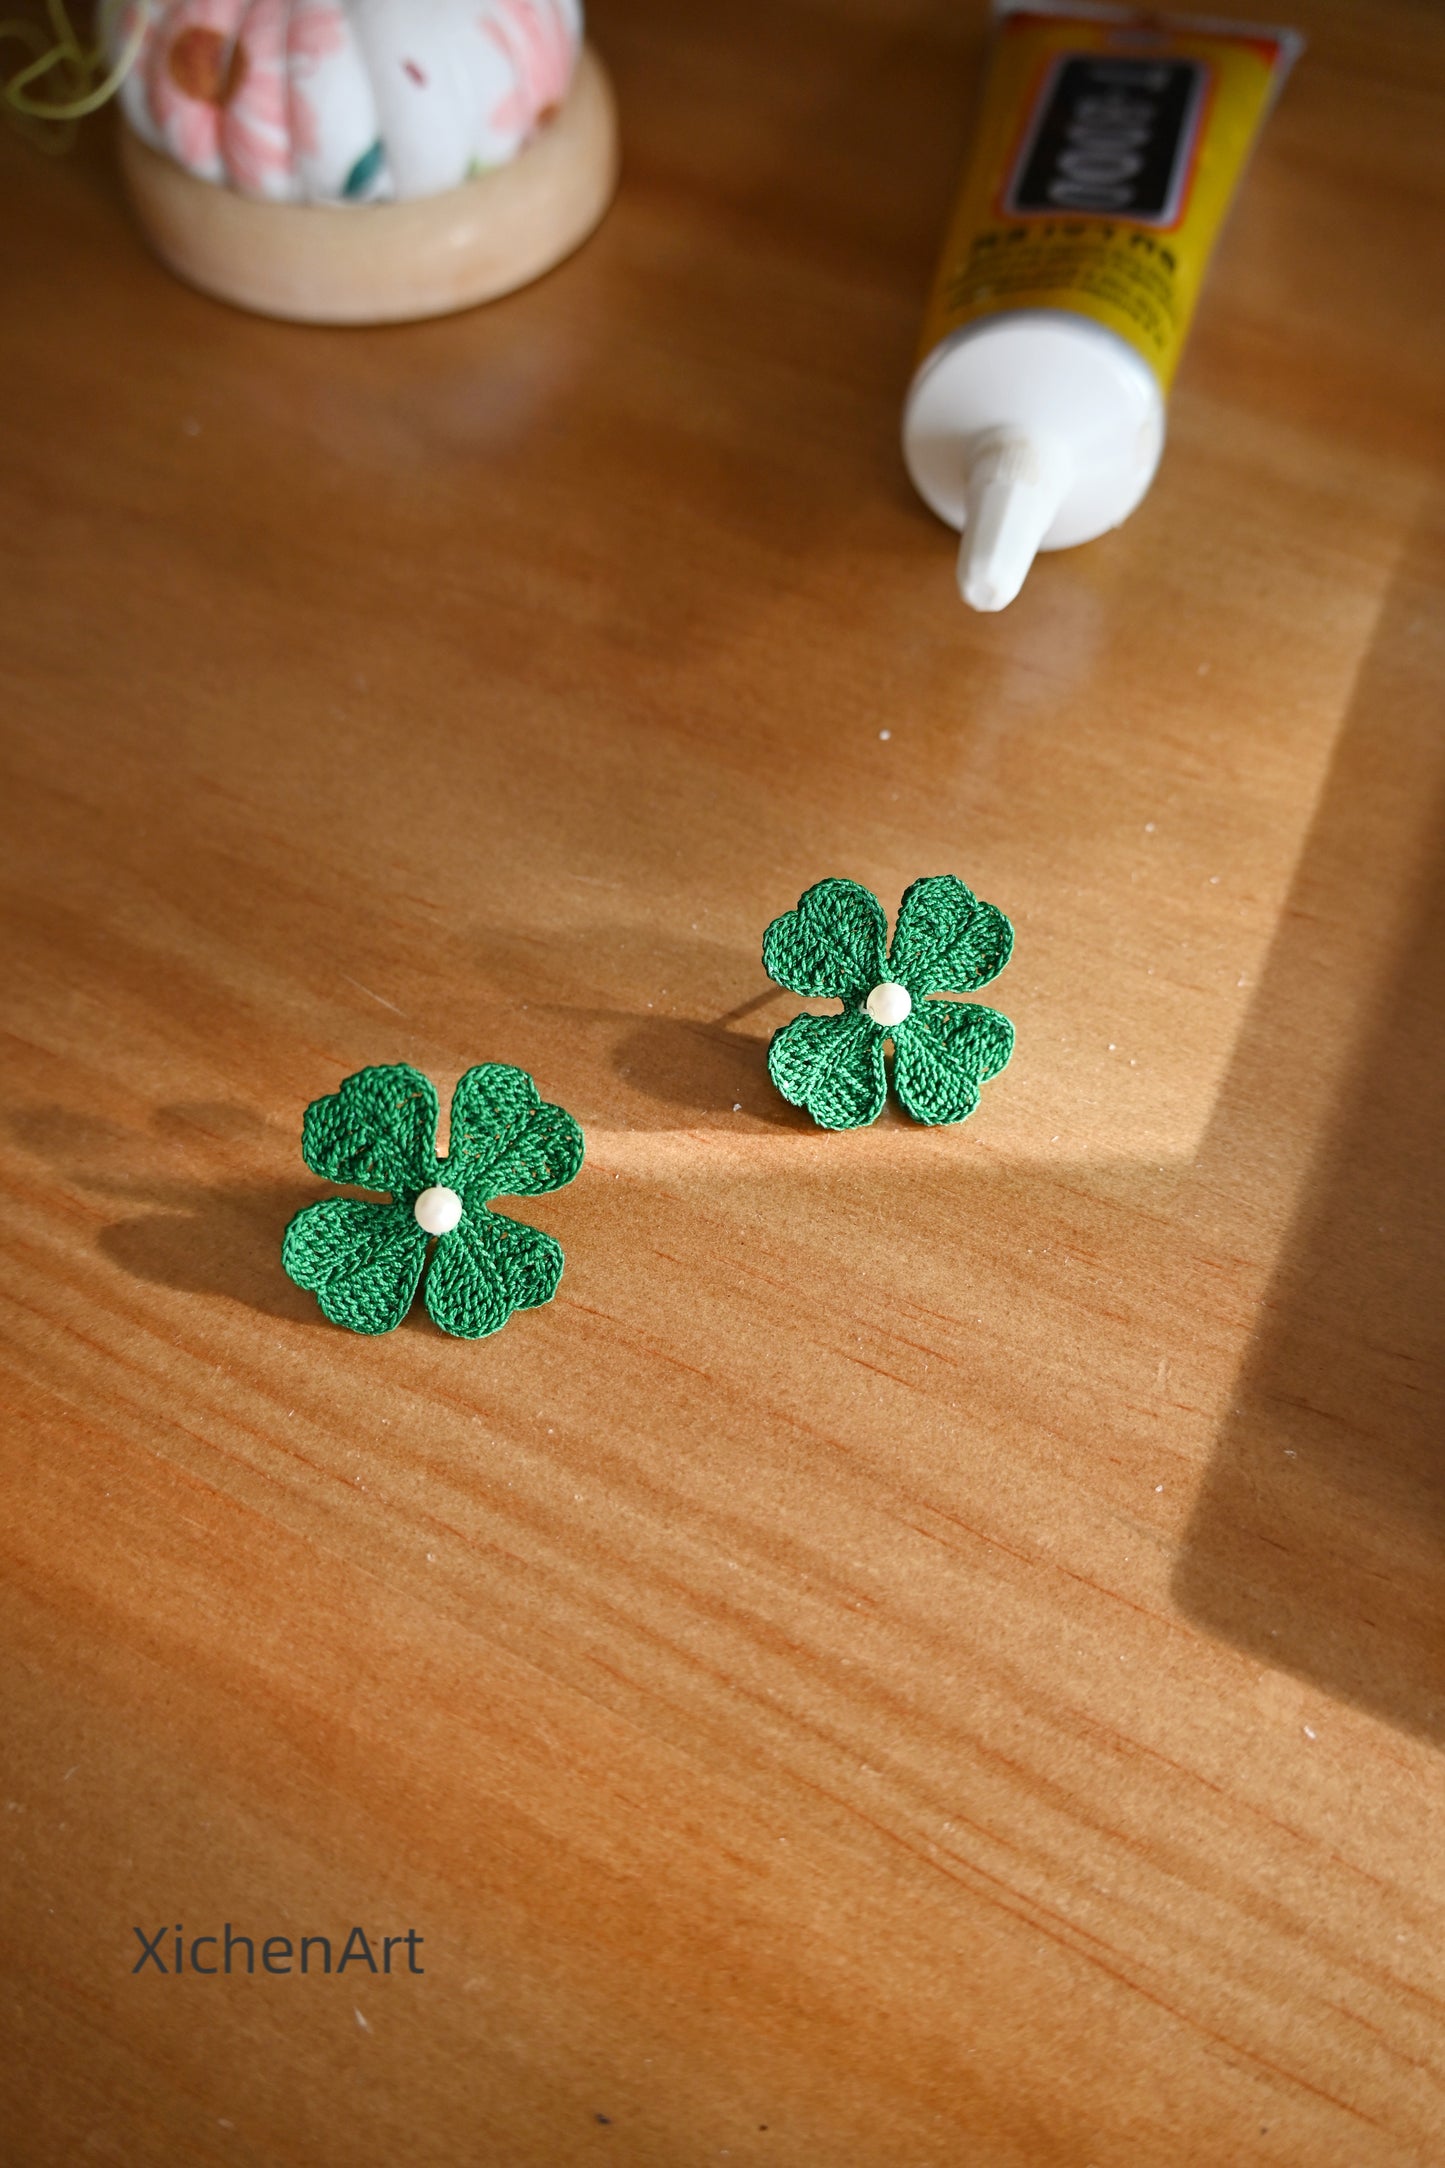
(389,262)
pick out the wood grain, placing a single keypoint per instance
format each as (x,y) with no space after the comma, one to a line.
(928,1654)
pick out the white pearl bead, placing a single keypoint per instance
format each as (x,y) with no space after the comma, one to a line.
(889,1003)
(438,1210)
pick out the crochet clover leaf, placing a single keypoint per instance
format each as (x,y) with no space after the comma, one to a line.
(836,944)
(363,1260)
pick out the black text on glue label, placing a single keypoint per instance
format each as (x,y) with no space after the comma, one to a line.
(1111,136)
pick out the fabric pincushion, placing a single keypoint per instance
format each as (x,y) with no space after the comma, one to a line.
(343,101)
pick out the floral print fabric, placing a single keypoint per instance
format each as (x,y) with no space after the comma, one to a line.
(345,101)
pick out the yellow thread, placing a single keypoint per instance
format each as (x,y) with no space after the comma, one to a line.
(68,57)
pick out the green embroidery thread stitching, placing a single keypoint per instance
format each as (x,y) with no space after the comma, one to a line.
(363,1260)
(835,943)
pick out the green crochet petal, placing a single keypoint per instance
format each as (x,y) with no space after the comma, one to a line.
(946,941)
(834,943)
(488,1268)
(378,1131)
(506,1140)
(832,1066)
(361,1261)
(943,1053)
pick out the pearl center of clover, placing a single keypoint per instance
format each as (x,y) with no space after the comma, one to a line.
(889,1003)
(438,1210)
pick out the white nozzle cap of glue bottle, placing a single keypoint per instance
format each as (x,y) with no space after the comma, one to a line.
(1012,492)
(1030,431)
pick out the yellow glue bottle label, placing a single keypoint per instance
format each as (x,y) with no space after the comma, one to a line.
(1107,153)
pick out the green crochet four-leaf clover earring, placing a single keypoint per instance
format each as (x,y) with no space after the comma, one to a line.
(363,1260)
(836,944)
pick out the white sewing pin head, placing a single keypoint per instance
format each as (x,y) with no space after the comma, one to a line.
(889,1003)
(438,1210)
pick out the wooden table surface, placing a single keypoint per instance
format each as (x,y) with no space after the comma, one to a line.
(928,1654)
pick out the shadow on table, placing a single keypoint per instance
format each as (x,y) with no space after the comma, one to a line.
(706,1067)
(616,982)
(1318,1541)
(215,1239)
(200,1237)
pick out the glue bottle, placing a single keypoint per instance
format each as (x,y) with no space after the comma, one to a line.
(1108,151)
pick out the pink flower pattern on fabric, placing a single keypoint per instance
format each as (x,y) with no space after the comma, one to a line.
(191,66)
(255,137)
(280,98)
(536,37)
(317,30)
